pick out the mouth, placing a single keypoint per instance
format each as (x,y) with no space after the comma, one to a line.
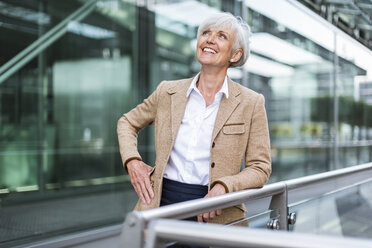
(209,50)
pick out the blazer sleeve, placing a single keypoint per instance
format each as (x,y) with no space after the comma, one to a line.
(132,122)
(257,155)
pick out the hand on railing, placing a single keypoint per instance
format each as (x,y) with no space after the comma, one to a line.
(140,179)
(218,189)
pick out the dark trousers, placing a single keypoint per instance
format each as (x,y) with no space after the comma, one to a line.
(175,192)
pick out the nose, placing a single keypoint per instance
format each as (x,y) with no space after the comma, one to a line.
(211,38)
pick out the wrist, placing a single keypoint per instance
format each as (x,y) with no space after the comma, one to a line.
(220,188)
(131,160)
(130,163)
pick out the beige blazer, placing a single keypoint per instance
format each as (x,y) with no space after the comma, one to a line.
(240,134)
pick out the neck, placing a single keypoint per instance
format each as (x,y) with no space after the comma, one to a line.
(211,80)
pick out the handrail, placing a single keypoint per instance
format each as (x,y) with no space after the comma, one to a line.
(318,178)
(136,222)
(189,208)
(23,57)
(162,230)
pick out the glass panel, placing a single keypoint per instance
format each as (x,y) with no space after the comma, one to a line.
(60,169)
(344,213)
(261,220)
(22,22)
(176,37)
(294,73)
(354,117)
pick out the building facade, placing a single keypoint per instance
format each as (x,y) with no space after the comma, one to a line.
(70,69)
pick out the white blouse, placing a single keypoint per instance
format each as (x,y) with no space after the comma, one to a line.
(189,158)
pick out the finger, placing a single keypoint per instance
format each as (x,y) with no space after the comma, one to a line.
(206,216)
(145,193)
(134,184)
(140,184)
(149,189)
(139,193)
(219,212)
(200,218)
(212,214)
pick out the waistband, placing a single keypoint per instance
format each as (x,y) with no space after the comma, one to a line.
(184,188)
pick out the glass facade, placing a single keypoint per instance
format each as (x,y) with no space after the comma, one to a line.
(92,61)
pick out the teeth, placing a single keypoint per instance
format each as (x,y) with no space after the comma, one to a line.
(209,50)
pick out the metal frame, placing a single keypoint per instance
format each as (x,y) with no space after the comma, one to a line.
(26,55)
(133,234)
(75,239)
(351,16)
(160,231)
(136,222)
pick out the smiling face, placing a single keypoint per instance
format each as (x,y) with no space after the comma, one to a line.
(214,47)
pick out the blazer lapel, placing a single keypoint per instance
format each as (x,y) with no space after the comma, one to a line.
(227,106)
(178,104)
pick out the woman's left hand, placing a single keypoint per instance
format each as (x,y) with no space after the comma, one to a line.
(218,189)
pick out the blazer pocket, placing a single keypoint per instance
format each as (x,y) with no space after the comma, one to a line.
(152,171)
(233,129)
(151,177)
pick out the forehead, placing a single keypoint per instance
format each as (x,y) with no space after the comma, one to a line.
(226,28)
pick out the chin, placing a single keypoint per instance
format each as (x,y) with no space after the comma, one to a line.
(206,61)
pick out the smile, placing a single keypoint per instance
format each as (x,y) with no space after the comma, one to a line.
(209,50)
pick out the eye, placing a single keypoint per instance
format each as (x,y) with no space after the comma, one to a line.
(205,32)
(223,36)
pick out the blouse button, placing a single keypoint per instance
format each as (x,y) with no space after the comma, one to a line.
(213,144)
(213,164)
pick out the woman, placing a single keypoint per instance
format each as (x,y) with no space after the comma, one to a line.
(205,127)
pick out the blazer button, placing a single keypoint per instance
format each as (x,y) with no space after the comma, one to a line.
(213,144)
(212,164)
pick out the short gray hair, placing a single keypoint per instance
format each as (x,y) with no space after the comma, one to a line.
(242,29)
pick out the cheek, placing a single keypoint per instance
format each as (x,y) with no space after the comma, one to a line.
(199,41)
(198,45)
(229,47)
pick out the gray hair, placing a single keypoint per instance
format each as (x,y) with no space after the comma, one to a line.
(242,29)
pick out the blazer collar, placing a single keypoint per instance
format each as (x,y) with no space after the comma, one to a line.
(183,86)
(179,100)
(180,86)
(227,107)
(178,104)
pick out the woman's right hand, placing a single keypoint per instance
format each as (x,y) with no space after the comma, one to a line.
(139,174)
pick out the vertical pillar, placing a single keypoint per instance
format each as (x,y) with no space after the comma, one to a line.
(229,6)
(144,40)
(244,15)
(335,105)
(334,79)
(279,204)
(41,109)
(133,234)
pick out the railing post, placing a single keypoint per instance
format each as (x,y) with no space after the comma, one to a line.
(133,231)
(152,239)
(279,202)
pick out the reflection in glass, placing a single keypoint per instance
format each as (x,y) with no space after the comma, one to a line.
(60,170)
(344,213)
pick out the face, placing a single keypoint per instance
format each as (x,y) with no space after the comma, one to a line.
(214,47)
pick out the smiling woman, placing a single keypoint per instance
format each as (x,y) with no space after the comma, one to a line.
(200,124)
(228,28)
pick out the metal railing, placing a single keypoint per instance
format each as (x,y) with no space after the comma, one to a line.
(30,52)
(162,231)
(136,222)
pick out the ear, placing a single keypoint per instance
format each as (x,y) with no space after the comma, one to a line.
(236,55)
